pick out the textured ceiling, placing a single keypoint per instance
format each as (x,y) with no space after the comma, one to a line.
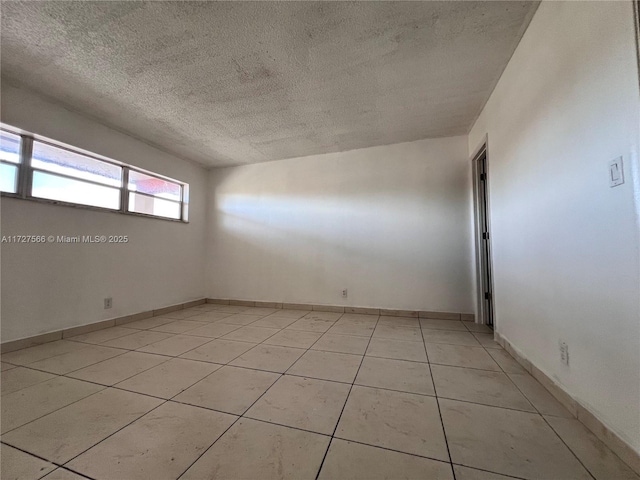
(242,82)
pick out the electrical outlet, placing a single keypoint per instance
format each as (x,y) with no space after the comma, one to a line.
(344,293)
(108,302)
(564,352)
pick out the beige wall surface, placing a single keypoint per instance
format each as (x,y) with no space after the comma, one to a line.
(391,224)
(566,245)
(53,286)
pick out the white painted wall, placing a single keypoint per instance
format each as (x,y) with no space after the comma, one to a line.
(565,245)
(390,224)
(54,286)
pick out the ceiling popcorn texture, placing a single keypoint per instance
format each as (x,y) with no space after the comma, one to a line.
(230,83)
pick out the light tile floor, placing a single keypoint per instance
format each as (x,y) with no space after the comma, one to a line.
(230,392)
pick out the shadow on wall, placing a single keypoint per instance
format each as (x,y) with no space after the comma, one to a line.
(389,238)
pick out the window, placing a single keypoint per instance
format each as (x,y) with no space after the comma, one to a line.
(61,174)
(154,196)
(10,146)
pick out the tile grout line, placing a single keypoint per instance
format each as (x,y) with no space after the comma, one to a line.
(435,392)
(537,412)
(57,409)
(230,426)
(335,429)
(238,417)
(169,357)
(164,401)
(489,471)
(118,430)
(57,465)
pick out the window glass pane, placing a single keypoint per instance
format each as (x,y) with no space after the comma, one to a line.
(8,178)
(64,189)
(139,182)
(9,147)
(153,206)
(52,159)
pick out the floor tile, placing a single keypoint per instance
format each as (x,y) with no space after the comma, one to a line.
(210,317)
(399,321)
(240,319)
(160,445)
(293,338)
(400,421)
(478,386)
(229,389)
(207,307)
(327,316)
(352,328)
(304,403)
(20,377)
(466,473)
(117,369)
(409,334)
(170,378)
(452,337)
(6,366)
(30,355)
(599,460)
(477,327)
(148,323)
(330,342)
(486,340)
(179,326)
(63,474)
(65,433)
(339,367)
(274,322)
(137,340)
(271,358)
(539,396)
(218,351)
(181,314)
(460,356)
(506,361)
(232,309)
(507,442)
(214,330)
(412,377)
(397,349)
(251,334)
(68,362)
(359,318)
(431,324)
(260,311)
(252,450)
(176,345)
(363,462)
(17,465)
(33,402)
(311,325)
(101,336)
(285,312)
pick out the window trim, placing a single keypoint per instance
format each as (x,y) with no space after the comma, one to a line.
(25,178)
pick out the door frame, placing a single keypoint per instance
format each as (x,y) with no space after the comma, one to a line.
(481,283)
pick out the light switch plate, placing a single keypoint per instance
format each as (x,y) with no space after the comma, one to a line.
(616,172)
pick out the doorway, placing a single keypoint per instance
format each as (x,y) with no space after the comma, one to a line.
(483,238)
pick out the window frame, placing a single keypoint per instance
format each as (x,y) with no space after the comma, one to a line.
(26,170)
(18,165)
